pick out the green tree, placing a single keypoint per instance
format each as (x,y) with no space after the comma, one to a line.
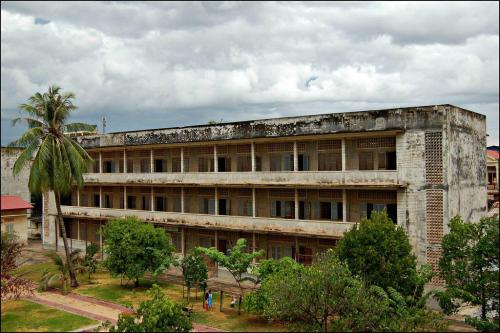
(58,160)
(237,261)
(134,247)
(380,253)
(469,267)
(60,273)
(89,262)
(326,294)
(194,270)
(158,314)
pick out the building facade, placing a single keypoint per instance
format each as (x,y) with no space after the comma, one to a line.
(14,216)
(290,186)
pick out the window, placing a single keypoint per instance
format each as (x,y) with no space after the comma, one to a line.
(282,208)
(366,161)
(329,162)
(10,227)
(109,167)
(205,164)
(276,208)
(107,201)
(280,250)
(244,163)
(303,162)
(131,202)
(186,164)
(391,160)
(325,210)
(145,166)
(160,204)
(258,163)
(96,200)
(176,164)
(288,162)
(207,206)
(146,202)
(177,204)
(367,208)
(205,241)
(275,162)
(160,165)
(337,211)
(223,164)
(382,165)
(392,212)
(224,207)
(130,166)
(120,166)
(245,207)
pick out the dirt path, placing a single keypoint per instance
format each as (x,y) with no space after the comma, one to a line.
(93,308)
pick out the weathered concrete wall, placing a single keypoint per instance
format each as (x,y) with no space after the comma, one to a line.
(14,185)
(366,121)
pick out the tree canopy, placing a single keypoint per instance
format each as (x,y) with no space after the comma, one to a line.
(380,253)
(469,266)
(134,247)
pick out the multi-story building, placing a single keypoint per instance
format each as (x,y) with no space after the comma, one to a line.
(290,186)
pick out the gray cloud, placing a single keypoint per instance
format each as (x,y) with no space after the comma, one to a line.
(150,64)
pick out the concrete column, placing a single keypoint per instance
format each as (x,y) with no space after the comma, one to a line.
(100,196)
(344,205)
(183,242)
(152,161)
(182,199)
(253,157)
(100,162)
(78,197)
(78,229)
(216,201)
(344,156)
(216,165)
(295,157)
(254,205)
(124,161)
(182,159)
(152,199)
(124,197)
(296,204)
(296,249)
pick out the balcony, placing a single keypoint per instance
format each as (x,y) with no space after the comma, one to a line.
(349,178)
(257,224)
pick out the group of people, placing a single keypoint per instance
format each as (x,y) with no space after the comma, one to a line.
(208,303)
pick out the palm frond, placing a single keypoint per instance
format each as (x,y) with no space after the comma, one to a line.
(25,157)
(32,134)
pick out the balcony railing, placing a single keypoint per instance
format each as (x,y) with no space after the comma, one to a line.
(259,224)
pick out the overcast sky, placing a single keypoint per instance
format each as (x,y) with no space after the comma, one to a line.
(150,65)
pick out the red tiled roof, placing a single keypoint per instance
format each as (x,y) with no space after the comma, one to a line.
(11,202)
(492,153)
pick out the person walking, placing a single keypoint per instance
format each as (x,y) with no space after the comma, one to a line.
(210,300)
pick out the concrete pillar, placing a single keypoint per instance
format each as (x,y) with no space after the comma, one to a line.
(152,199)
(182,159)
(344,156)
(253,157)
(151,157)
(124,161)
(100,196)
(254,247)
(78,229)
(254,204)
(183,242)
(124,197)
(295,157)
(216,165)
(216,201)
(296,204)
(344,205)
(78,197)
(182,200)
(100,162)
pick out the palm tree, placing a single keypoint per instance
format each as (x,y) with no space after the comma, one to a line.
(58,160)
(61,271)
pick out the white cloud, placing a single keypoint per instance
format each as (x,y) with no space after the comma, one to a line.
(148,64)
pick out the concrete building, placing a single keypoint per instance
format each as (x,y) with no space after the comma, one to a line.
(492,164)
(14,185)
(290,186)
(14,216)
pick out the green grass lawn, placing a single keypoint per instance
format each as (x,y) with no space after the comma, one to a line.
(26,316)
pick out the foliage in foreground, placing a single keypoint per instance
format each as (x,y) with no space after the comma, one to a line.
(380,253)
(158,314)
(134,248)
(60,273)
(469,266)
(327,296)
(13,285)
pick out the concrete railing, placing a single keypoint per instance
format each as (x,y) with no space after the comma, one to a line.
(382,178)
(248,224)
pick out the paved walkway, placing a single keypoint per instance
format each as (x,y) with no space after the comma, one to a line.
(93,308)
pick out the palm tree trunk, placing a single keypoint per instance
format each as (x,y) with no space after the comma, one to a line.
(74,282)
